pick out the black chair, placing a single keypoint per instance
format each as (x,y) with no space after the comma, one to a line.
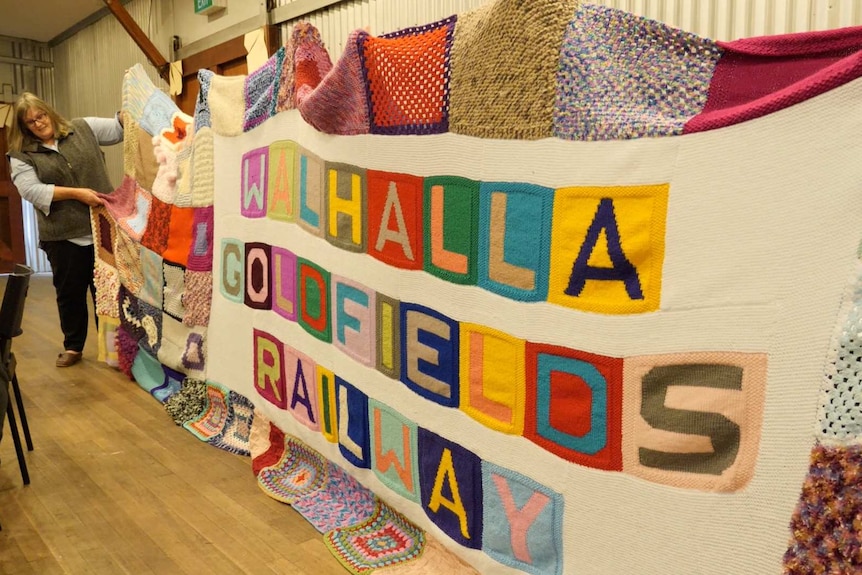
(11,315)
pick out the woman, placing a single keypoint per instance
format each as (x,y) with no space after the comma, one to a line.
(58,166)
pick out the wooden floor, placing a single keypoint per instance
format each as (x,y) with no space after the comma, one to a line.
(118,488)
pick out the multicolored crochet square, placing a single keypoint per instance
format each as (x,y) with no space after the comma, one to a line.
(340,501)
(385,540)
(213,417)
(407,78)
(234,436)
(299,472)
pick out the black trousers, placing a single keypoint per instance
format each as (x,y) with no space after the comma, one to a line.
(73,277)
(4,397)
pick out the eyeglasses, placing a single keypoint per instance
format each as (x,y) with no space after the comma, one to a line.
(40,118)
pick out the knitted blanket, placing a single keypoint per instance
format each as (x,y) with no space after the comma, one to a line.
(508,344)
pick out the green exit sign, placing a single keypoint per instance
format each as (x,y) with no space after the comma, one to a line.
(209,6)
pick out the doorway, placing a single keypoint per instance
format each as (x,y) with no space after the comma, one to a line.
(12,248)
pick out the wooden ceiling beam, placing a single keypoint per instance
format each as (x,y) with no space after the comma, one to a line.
(150,51)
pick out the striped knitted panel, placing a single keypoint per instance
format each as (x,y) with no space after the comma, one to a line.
(488,99)
(137,89)
(338,105)
(131,149)
(623,76)
(183,193)
(197,191)
(261,91)
(406,77)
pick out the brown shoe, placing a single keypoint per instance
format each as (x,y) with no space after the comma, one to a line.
(67,359)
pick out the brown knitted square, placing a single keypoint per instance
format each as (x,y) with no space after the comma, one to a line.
(504,61)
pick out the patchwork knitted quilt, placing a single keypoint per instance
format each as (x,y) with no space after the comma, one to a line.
(538,288)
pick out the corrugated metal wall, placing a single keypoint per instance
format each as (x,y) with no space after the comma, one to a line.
(717,19)
(733,19)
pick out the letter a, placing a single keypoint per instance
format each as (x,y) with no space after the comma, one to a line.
(446,472)
(299,384)
(400,236)
(623,270)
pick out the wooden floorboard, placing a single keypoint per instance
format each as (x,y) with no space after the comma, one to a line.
(117,488)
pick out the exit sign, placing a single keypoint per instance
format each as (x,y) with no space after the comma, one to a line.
(209,6)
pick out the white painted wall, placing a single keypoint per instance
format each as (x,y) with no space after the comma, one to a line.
(191,27)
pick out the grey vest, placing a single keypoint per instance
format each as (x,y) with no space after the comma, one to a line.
(79,163)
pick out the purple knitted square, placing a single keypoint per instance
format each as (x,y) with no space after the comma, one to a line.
(451,481)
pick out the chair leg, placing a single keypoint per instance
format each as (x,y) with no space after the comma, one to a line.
(16,439)
(23,414)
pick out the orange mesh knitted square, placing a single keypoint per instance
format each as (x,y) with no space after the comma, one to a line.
(407,78)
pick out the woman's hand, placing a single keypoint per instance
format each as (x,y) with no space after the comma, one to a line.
(84,195)
(89,197)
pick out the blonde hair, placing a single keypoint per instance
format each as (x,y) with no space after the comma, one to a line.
(20,135)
